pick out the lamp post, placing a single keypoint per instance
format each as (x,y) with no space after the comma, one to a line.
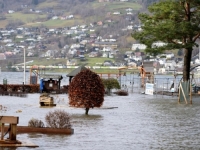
(24,65)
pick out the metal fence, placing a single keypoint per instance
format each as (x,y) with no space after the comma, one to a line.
(162,83)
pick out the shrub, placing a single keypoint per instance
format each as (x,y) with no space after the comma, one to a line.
(121,93)
(58,119)
(110,83)
(35,123)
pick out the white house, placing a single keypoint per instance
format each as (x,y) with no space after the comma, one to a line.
(20,36)
(11,11)
(138,46)
(6,34)
(161,71)
(70,17)
(49,53)
(107,49)
(74,28)
(38,11)
(130,27)
(116,13)
(129,9)
(7,40)
(129,13)
(197,61)
(83,26)
(107,55)
(52,30)
(162,61)
(30,54)
(30,40)
(54,17)
(158,44)
(72,51)
(170,55)
(75,46)
(137,58)
(92,30)
(10,44)
(170,65)
(20,28)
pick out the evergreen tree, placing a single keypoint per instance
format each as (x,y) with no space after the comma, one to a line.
(174,22)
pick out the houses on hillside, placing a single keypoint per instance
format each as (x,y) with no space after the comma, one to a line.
(78,41)
(37,43)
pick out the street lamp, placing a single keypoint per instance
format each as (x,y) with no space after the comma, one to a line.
(24,65)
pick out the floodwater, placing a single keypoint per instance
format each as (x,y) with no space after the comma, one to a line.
(137,121)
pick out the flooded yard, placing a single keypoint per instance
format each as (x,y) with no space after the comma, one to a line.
(137,121)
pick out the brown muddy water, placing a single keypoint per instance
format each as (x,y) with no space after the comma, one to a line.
(139,122)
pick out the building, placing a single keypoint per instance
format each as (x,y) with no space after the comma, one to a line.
(105,44)
(138,46)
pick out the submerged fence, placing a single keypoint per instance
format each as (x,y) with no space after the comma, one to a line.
(136,84)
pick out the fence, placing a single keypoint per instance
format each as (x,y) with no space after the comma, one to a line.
(162,83)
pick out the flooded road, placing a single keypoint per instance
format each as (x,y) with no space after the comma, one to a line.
(138,121)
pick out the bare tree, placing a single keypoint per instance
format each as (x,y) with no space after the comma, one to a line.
(58,119)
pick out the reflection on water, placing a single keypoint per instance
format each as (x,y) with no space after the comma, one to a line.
(137,121)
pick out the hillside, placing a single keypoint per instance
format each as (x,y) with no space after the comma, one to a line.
(52,25)
(26,13)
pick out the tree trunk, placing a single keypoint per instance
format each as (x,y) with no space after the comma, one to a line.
(86,111)
(186,65)
(109,91)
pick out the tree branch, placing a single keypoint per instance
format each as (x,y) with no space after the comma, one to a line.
(196,37)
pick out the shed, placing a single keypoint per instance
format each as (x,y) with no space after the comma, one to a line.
(75,72)
(50,83)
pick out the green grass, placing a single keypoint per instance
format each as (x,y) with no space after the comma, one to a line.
(47,62)
(26,18)
(123,5)
(90,62)
(17,40)
(47,4)
(96,61)
(114,6)
(57,23)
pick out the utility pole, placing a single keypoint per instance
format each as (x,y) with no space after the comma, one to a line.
(24,65)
